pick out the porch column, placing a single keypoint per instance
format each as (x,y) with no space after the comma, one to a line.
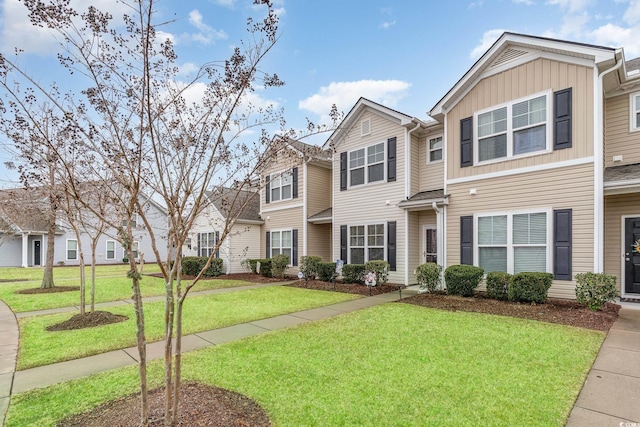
(25,250)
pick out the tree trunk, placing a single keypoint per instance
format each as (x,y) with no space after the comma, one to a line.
(47,279)
(177,364)
(93,275)
(168,347)
(141,339)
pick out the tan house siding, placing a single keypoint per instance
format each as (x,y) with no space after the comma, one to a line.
(416,164)
(287,219)
(431,174)
(619,141)
(525,80)
(284,161)
(319,189)
(319,241)
(240,245)
(615,207)
(561,188)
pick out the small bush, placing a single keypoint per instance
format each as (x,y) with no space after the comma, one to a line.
(326,271)
(462,279)
(595,289)
(215,268)
(429,276)
(498,285)
(265,267)
(246,265)
(192,265)
(381,268)
(279,265)
(353,273)
(309,266)
(530,287)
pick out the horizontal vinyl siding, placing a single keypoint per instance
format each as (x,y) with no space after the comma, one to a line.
(240,246)
(285,160)
(318,189)
(619,141)
(288,219)
(416,164)
(431,174)
(522,81)
(615,207)
(319,241)
(555,189)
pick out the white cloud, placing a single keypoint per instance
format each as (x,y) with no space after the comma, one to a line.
(488,39)
(615,36)
(632,14)
(206,34)
(387,25)
(573,25)
(572,6)
(345,94)
(525,2)
(225,3)
(188,68)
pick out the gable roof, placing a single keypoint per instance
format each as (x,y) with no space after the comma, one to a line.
(21,211)
(244,204)
(512,46)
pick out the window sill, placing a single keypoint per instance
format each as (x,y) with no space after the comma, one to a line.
(517,157)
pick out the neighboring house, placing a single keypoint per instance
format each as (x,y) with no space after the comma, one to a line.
(23,234)
(237,208)
(295,202)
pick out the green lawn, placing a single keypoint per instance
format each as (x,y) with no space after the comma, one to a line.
(111,285)
(40,347)
(64,272)
(394,364)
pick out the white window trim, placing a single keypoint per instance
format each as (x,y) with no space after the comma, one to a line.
(509,131)
(366,236)
(66,255)
(633,112)
(124,251)
(429,150)
(199,237)
(280,174)
(366,165)
(106,251)
(510,245)
(270,255)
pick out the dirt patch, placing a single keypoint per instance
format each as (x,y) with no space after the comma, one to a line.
(53,290)
(87,320)
(201,405)
(348,288)
(566,312)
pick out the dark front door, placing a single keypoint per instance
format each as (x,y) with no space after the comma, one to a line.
(631,255)
(36,252)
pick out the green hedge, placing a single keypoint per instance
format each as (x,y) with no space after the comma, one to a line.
(265,267)
(429,276)
(595,289)
(462,279)
(530,287)
(309,266)
(498,285)
(353,273)
(326,271)
(279,265)
(381,268)
(192,265)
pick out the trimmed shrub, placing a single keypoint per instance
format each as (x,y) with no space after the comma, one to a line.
(265,267)
(246,265)
(309,266)
(192,265)
(530,287)
(381,268)
(498,285)
(279,265)
(595,289)
(462,279)
(326,271)
(353,273)
(429,276)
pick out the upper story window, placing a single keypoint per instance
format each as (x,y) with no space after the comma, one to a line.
(634,108)
(281,186)
(435,149)
(366,165)
(133,221)
(514,129)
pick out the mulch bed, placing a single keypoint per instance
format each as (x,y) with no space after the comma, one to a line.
(53,290)
(348,288)
(87,320)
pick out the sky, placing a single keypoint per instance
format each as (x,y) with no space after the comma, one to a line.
(404,54)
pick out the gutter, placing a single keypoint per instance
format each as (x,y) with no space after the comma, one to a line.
(407,190)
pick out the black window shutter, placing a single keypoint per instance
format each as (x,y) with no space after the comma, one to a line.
(268,188)
(466,240)
(562,244)
(466,142)
(562,119)
(199,249)
(267,252)
(391,159)
(343,243)
(216,242)
(294,249)
(343,171)
(294,184)
(391,245)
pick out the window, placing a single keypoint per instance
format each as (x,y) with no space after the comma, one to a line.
(634,108)
(435,149)
(72,250)
(206,243)
(514,129)
(111,249)
(281,186)
(133,220)
(281,243)
(513,242)
(366,165)
(431,245)
(134,249)
(366,243)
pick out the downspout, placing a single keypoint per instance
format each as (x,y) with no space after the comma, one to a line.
(598,251)
(407,190)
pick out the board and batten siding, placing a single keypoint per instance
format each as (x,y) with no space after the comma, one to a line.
(367,204)
(522,81)
(562,188)
(615,207)
(319,189)
(319,241)
(618,140)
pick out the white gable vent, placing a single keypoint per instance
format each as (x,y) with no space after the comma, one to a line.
(508,55)
(365,127)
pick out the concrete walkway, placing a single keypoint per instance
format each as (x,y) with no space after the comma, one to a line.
(610,395)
